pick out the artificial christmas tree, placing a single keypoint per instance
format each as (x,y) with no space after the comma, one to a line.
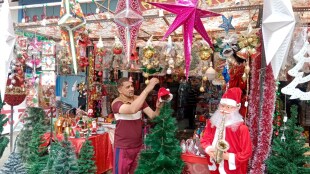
(37,159)
(3,140)
(14,164)
(287,156)
(86,163)
(54,150)
(163,153)
(66,162)
(35,116)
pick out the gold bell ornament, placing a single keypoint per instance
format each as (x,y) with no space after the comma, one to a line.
(243,53)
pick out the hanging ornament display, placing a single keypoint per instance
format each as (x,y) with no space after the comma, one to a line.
(72,25)
(188,15)
(248,43)
(149,62)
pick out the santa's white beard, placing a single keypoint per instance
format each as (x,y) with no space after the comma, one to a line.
(232,119)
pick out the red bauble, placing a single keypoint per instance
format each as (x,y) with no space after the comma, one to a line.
(99,73)
(117,50)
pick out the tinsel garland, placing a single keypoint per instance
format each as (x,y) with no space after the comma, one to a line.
(261,125)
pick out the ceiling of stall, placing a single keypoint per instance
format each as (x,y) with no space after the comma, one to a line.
(245,13)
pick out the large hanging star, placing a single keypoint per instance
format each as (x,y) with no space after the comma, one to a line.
(7,41)
(189,16)
(227,24)
(128,18)
(278,30)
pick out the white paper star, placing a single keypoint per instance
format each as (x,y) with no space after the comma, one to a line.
(7,41)
(278,26)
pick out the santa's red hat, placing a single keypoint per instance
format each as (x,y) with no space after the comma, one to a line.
(164,95)
(232,97)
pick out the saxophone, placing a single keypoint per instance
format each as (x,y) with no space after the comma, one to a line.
(221,145)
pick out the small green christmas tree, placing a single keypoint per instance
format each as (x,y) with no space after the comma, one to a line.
(287,155)
(163,154)
(66,162)
(3,139)
(37,158)
(85,162)
(35,115)
(54,150)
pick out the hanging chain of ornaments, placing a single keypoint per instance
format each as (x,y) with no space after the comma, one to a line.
(168,56)
(283,138)
(205,53)
(100,53)
(149,62)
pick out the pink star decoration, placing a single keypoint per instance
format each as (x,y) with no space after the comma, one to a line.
(128,18)
(188,15)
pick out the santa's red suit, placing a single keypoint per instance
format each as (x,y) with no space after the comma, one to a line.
(237,135)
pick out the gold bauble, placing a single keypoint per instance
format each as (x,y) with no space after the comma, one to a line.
(149,66)
(148,54)
(247,69)
(146,75)
(204,55)
(202,89)
(241,44)
(204,78)
(244,77)
(147,81)
(204,68)
(250,40)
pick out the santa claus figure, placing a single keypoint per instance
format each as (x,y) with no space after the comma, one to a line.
(227,139)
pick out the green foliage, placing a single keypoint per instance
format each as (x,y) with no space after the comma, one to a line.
(37,158)
(163,154)
(35,116)
(54,150)
(85,162)
(13,165)
(66,162)
(3,139)
(287,157)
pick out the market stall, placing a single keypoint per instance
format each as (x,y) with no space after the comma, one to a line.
(70,63)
